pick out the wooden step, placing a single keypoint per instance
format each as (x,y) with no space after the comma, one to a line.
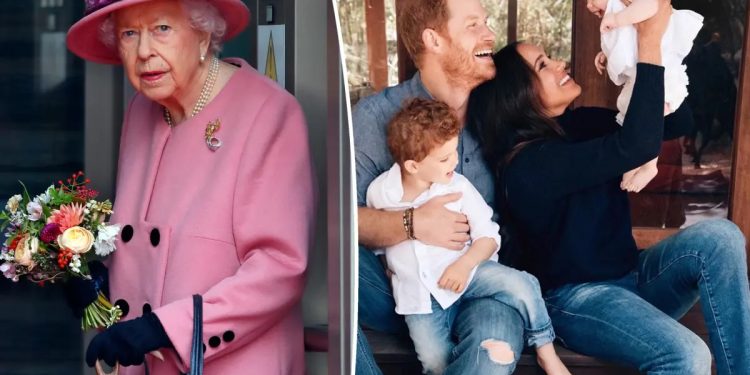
(396,356)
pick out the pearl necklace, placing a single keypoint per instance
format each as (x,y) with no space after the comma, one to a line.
(208,87)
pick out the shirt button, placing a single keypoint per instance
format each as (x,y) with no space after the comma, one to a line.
(424,274)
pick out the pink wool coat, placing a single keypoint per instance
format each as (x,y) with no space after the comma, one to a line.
(233,225)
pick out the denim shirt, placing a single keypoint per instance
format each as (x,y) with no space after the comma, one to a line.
(370,120)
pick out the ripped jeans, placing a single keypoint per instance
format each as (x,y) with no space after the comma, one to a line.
(431,333)
(476,321)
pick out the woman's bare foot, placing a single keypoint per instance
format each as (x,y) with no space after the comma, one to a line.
(549,361)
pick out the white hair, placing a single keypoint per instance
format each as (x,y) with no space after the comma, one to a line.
(202,16)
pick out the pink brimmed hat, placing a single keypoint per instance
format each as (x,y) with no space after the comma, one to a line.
(83,37)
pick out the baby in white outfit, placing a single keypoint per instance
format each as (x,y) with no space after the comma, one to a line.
(620,52)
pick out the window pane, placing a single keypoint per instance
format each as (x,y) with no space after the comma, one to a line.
(41,138)
(547,23)
(695,171)
(354,39)
(498,20)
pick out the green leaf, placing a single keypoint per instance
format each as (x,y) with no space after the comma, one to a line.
(26,196)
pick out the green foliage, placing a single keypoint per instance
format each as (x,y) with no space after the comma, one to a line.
(545,22)
(59,197)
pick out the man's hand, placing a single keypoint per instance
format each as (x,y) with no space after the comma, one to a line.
(438,226)
(455,276)
(600,62)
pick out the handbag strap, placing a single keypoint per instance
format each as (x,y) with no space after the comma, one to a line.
(196,353)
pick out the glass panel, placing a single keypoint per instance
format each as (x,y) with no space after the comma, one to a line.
(41,138)
(354,38)
(353,32)
(498,20)
(695,171)
(547,23)
(391,41)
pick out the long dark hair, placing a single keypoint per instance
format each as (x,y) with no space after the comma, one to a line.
(506,113)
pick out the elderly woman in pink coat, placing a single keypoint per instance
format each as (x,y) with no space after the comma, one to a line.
(214,194)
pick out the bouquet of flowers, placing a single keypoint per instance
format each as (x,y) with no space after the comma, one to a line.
(49,238)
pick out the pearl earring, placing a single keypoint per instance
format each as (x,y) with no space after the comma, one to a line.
(203,58)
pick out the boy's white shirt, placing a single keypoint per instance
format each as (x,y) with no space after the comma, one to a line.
(416,266)
(621,48)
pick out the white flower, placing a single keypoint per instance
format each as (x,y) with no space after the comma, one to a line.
(75,263)
(105,239)
(17,218)
(44,197)
(77,239)
(35,211)
(13,203)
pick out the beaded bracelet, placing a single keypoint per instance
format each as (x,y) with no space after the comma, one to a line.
(408,223)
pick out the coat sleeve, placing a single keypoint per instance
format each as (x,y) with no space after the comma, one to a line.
(272,221)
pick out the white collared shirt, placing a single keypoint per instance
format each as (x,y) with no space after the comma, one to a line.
(416,266)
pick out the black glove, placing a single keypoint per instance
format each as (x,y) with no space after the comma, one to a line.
(80,293)
(128,342)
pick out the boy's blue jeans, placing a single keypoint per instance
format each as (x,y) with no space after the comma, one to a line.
(431,333)
(475,322)
(632,320)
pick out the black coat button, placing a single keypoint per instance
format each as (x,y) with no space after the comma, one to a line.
(228,336)
(146,308)
(214,341)
(466,160)
(127,233)
(155,237)
(124,306)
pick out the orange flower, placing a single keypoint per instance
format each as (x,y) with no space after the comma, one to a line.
(69,215)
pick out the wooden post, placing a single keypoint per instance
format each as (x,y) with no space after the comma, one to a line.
(598,90)
(739,208)
(377,53)
(512,21)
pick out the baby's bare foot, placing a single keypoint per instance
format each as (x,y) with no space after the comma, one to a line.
(645,174)
(626,177)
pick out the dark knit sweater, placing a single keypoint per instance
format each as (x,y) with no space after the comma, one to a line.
(563,195)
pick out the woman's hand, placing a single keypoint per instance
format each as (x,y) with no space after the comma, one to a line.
(79,293)
(650,33)
(127,343)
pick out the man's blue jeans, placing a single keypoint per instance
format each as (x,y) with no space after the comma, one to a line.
(431,333)
(632,320)
(476,321)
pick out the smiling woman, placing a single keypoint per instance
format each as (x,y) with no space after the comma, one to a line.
(193,115)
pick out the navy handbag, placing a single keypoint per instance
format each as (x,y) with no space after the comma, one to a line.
(196,352)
